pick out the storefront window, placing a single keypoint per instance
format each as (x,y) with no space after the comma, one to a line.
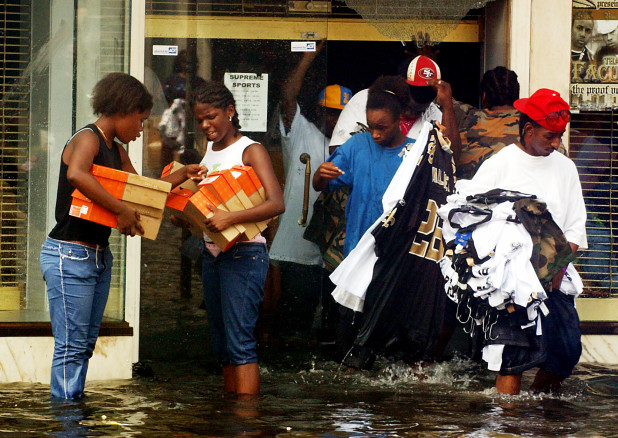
(53,54)
(593,140)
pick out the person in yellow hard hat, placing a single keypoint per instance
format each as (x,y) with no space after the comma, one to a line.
(299,261)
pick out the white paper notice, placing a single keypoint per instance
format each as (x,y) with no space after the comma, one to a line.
(302,46)
(165,50)
(250,91)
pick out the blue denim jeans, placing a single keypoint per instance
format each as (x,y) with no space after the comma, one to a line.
(233,285)
(78,279)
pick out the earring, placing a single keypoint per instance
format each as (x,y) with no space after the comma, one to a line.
(230,118)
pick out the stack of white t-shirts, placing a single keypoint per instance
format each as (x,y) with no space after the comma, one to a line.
(506,274)
(497,272)
(571,282)
(354,273)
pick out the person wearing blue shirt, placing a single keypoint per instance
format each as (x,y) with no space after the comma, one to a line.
(368,161)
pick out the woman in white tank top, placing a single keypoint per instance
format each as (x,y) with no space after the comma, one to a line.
(233,281)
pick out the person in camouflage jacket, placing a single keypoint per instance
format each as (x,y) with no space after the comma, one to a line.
(484,132)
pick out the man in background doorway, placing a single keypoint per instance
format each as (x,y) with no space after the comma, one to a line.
(303,279)
(487,130)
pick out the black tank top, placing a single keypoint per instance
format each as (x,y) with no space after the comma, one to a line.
(72,228)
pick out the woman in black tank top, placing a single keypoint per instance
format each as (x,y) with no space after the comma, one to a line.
(75,259)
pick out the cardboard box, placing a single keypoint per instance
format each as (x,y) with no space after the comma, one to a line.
(146,195)
(178,198)
(84,208)
(177,201)
(133,188)
(173,167)
(250,173)
(197,210)
(246,190)
(219,187)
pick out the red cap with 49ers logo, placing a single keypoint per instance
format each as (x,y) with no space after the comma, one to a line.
(422,69)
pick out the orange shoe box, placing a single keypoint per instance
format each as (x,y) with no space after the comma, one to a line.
(246,189)
(250,174)
(197,211)
(173,167)
(84,208)
(220,188)
(177,201)
(178,198)
(188,204)
(146,195)
(133,188)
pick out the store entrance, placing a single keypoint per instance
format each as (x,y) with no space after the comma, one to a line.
(354,64)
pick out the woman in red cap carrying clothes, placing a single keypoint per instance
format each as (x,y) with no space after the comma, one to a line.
(531,166)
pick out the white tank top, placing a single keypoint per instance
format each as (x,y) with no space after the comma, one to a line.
(226,159)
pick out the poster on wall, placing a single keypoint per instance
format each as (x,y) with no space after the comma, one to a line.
(594,55)
(250,91)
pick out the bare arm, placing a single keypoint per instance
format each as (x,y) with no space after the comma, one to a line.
(325,173)
(445,100)
(195,172)
(557,280)
(257,157)
(293,84)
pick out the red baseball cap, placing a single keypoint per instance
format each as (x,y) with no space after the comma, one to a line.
(421,69)
(543,103)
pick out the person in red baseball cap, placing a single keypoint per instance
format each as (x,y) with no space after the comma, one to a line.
(530,166)
(544,111)
(431,99)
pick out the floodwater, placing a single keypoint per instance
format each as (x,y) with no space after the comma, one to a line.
(304,396)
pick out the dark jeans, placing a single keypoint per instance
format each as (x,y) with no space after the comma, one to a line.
(233,285)
(557,350)
(301,287)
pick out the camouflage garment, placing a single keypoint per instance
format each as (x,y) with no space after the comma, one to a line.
(551,251)
(327,226)
(483,133)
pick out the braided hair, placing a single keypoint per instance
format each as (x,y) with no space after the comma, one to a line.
(215,94)
(500,86)
(524,119)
